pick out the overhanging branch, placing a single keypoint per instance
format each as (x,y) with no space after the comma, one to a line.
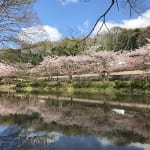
(103,16)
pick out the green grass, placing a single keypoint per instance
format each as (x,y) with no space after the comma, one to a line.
(23,84)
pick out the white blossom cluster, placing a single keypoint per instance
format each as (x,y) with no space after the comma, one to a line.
(96,62)
(6,69)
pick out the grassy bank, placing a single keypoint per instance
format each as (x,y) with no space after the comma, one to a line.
(123,86)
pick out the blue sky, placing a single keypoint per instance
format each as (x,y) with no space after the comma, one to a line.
(74,18)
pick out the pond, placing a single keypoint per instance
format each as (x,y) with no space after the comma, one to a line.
(92,95)
(43,122)
(29,139)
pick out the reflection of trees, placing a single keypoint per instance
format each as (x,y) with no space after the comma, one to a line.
(13,143)
(122,137)
(19,142)
(45,142)
(60,112)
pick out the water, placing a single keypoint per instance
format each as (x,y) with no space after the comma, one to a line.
(32,122)
(93,95)
(30,139)
(2,128)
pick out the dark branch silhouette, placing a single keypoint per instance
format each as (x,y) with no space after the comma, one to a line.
(15,15)
(103,16)
(133,7)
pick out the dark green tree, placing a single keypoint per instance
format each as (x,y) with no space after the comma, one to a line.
(67,47)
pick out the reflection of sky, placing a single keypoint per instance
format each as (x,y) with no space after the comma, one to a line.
(142,146)
(91,143)
(58,141)
(77,143)
(8,137)
(108,144)
(2,129)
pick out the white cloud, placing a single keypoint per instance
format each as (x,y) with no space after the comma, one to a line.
(52,33)
(39,33)
(104,141)
(64,2)
(139,145)
(139,22)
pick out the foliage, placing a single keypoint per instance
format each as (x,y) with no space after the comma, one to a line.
(111,85)
(16,56)
(41,48)
(121,84)
(67,47)
(21,118)
(39,84)
(82,84)
(92,85)
(140,84)
(56,85)
(106,85)
(124,39)
(96,62)
(34,59)
(10,56)
(23,84)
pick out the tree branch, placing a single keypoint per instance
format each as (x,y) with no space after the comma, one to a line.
(102,16)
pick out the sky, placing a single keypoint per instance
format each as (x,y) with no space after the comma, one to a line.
(74,18)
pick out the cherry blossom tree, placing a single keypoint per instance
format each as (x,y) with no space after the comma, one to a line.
(97,62)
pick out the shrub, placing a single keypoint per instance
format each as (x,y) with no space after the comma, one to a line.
(140,84)
(23,84)
(105,85)
(39,84)
(58,84)
(121,84)
(82,84)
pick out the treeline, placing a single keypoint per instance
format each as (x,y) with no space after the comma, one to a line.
(16,56)
(124,39)
(65,47)
(117,39)
(35,53)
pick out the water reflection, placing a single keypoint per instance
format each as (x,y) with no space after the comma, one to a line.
(30,139)
(34,122)
(2,128)
(92,95)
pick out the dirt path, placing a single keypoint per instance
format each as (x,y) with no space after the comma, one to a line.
(134,72)
(94,75)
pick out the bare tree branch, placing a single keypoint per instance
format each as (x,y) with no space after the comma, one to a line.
(133,7)
(14,15)
(101,17)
